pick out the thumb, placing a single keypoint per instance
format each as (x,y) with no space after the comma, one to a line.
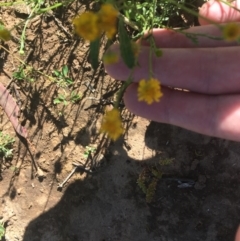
(218,12)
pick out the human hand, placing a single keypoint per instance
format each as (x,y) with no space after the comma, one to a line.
(209,71)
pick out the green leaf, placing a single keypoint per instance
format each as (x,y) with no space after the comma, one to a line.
(61,97)
(94,52)
(69,81)
(2,231)
(56,101)
(65,71)
(56,73)
(126,46)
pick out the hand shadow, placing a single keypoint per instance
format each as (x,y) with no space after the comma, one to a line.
(110,205)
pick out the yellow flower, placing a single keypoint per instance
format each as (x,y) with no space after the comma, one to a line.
(149,90)
(110,58)
(5,35)
(231,32)
(112,124)
(87,26)
(108,19)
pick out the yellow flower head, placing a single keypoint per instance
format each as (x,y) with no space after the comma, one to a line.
(86,25)
(108,19)
(149,91)
(112,124)
(231,32)
(110,58)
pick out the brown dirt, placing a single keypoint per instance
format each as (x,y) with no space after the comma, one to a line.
(106,204)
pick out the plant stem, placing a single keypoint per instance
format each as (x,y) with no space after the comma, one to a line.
(56,5)
(11,4)
(152,44)
(122,91)
(128,22)
(22,39)
(23,63)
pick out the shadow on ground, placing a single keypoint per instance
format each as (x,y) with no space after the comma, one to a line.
(109,205)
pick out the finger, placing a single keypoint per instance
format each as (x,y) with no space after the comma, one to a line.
(206,36)
(237,237)
(218,12)
(209,115)
(238,4)
(206,70)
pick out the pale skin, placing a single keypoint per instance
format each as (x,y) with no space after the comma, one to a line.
(209,71)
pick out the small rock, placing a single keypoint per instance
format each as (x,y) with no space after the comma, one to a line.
(19,191)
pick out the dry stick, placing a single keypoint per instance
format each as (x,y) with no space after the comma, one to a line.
(76,166)
(81,167)
(89,86)
(61,26)
(32,149)
(60,186)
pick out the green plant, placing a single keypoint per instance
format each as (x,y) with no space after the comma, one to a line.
(6,142)
(61,77)
(37,7)
(23,73)
(88,151)
(145,14)
(62,98)
(2,231)
(149,178)
(65,98)
(63,81)
(74,97)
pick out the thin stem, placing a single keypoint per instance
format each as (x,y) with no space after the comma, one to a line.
(11,4)
(43,10)
(23,63)
(40,11)
(22,39)
(122,90)
(152,45)
(194,36)
(128,22)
